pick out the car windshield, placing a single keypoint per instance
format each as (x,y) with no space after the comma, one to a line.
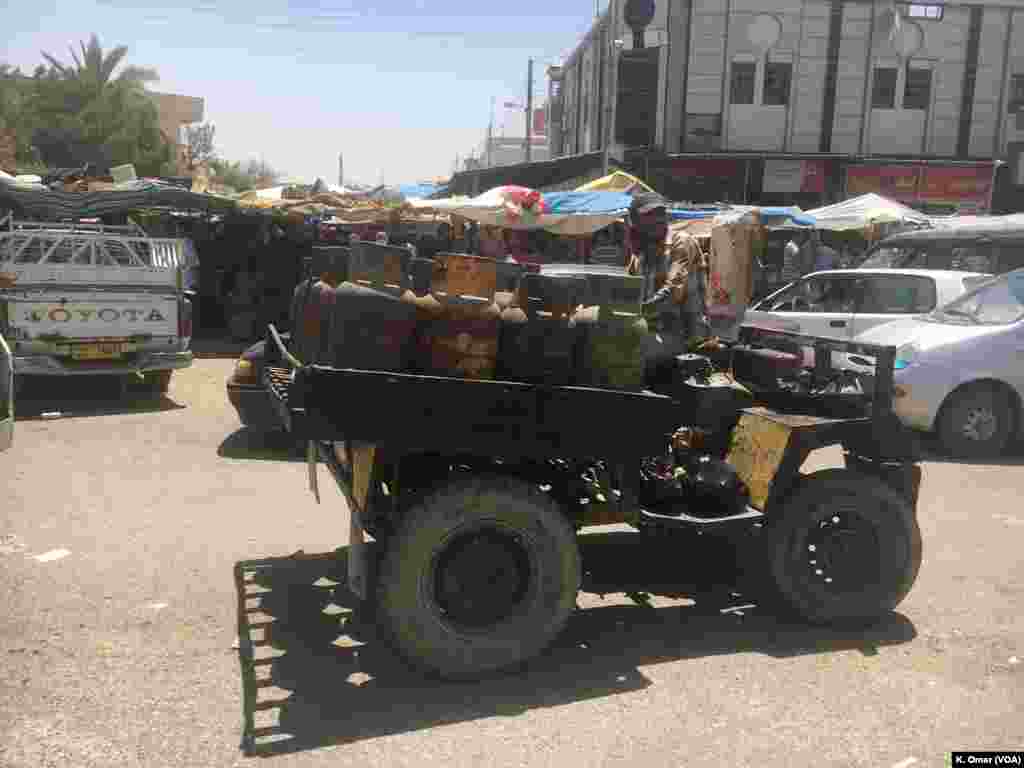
(999,302)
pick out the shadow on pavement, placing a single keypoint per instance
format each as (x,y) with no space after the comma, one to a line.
(316,674)
(78,396)
(247,443)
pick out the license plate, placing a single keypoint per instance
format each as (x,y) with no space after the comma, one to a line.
(97,351)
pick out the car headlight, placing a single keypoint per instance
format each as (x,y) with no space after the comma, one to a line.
(906,356)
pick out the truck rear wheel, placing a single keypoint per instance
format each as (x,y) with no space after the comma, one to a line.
(480,576)
(846,548)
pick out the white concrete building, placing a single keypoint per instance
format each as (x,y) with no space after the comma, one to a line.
(831,83)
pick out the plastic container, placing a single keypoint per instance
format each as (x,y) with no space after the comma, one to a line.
(123,173)
(612,346)
(383,268)
(618,293)
(463,274)
(312,301)
(509,273)
(369,329)
(538,341)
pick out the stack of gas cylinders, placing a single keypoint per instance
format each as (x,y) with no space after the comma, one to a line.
(377,307)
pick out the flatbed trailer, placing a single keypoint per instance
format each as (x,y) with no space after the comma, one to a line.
(475,492)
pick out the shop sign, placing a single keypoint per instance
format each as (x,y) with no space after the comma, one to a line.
(708,181)
(963,186)
(897,182)
(794,177)
(969,188)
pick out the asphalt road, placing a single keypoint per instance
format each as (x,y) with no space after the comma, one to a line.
(123,528)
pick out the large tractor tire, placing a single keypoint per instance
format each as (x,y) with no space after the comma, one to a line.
(845,548)
(479,577)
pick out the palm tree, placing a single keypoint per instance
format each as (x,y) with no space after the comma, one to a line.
(110,112)
(94,70)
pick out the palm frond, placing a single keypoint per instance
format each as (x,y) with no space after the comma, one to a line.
(138,75)
(54,63)
(110,62)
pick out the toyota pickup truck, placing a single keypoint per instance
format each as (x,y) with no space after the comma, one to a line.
(89,299)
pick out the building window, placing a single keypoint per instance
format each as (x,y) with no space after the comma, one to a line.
(923,11)
(777,78)
(883,90)
(917,91)
(1016,94)
(703,132)
(743,76)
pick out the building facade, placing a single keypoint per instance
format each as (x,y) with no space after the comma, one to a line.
(175,112)
(806,101)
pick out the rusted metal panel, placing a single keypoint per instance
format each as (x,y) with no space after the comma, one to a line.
(758,448)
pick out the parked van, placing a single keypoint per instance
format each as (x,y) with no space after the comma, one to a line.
(990,244)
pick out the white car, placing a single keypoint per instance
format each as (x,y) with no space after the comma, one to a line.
(843,303)
(960,369)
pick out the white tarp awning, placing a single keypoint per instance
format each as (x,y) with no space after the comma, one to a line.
(863,211)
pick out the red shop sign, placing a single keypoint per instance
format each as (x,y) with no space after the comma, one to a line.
(897,182)
(957,185)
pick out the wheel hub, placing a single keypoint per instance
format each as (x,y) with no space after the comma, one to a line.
(840,551)
(980,424)
(481,577)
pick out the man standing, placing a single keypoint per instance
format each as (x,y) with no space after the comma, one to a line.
(670,299)
(790,261)
(825,257)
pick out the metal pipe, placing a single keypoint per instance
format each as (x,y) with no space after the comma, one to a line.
(529,108)
(865,114)
(1001,114)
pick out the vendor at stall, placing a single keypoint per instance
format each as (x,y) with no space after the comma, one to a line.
(520,248)
(672,292)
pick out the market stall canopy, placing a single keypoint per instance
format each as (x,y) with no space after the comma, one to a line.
(771,216)
(561,213)
(271,193)
(865,211)
(422,191)
(38,200)
(617,181)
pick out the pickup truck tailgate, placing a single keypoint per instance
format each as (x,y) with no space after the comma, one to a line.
(89,315)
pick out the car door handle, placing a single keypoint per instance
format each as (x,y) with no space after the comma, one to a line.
(837,324)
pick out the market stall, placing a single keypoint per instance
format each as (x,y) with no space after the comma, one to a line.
(854,225)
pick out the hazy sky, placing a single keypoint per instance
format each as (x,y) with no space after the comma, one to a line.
(399,87)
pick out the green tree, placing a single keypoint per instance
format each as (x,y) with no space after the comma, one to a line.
(94,70)
(89,108)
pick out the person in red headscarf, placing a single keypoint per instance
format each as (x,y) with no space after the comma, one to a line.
(519,249)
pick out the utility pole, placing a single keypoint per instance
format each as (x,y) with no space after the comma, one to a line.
(529,108)
(490,138)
